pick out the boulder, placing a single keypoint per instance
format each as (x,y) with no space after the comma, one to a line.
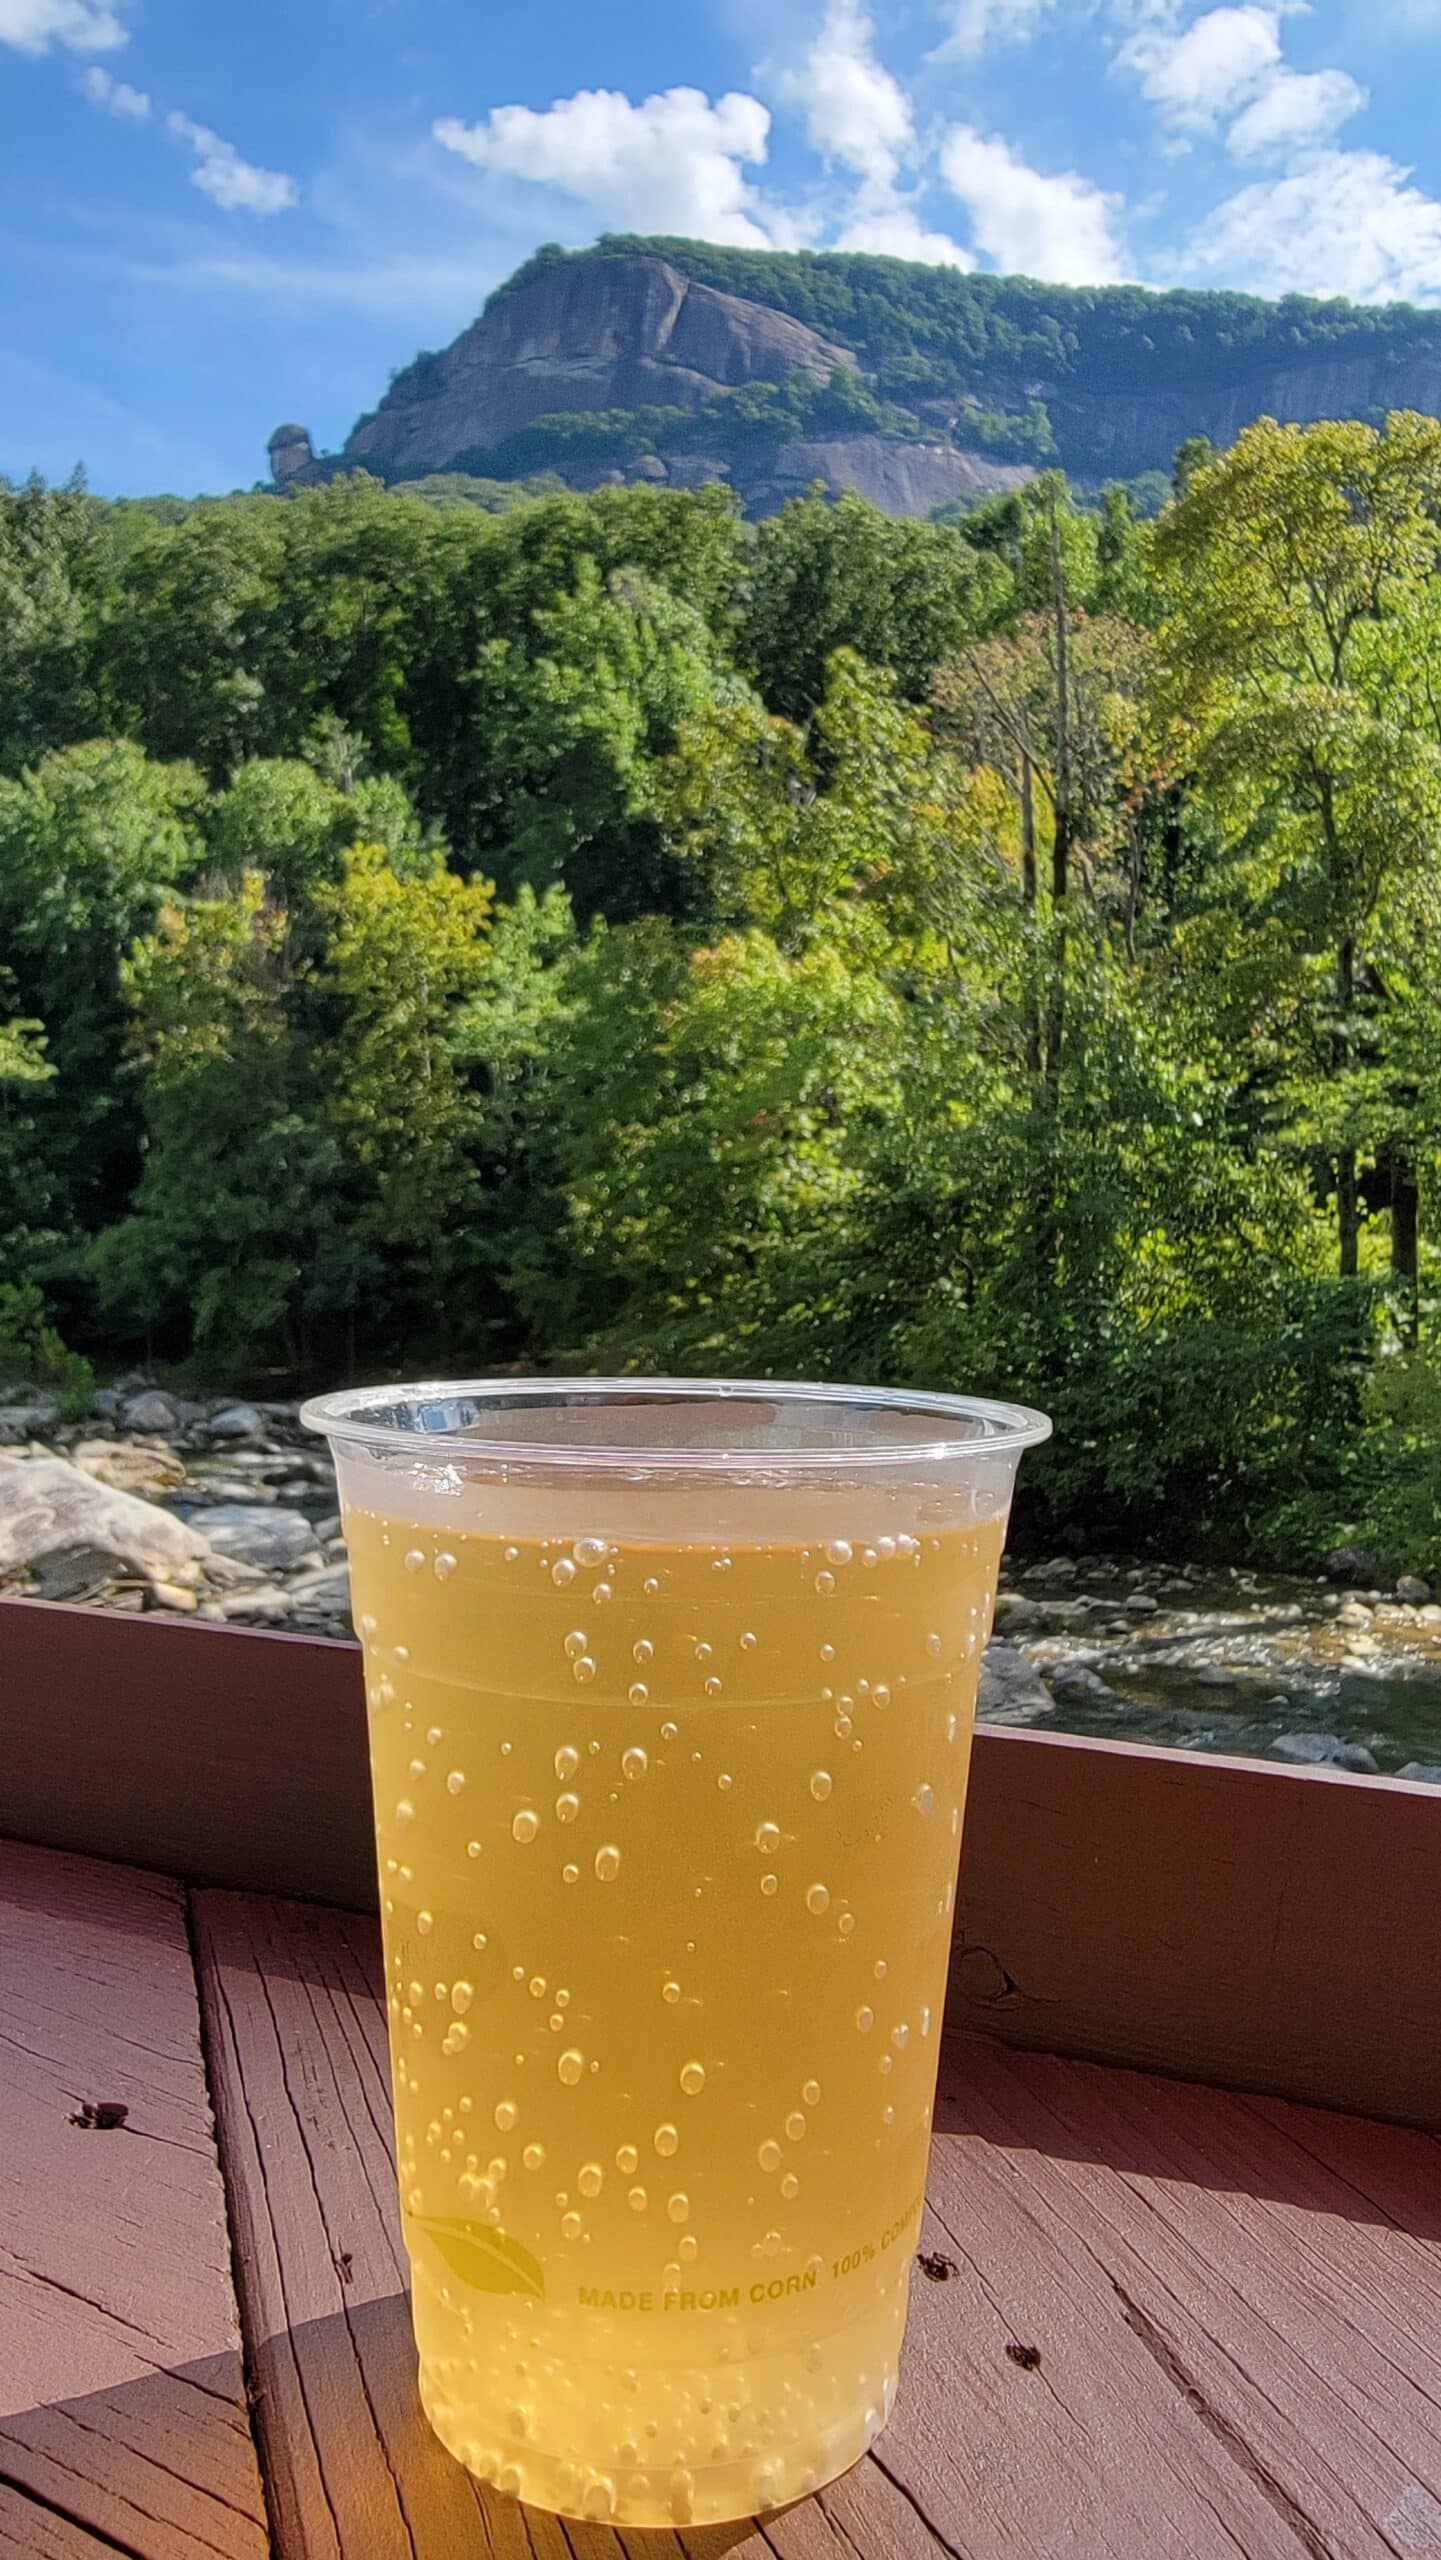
(255,1533)
(1011,1690)
(131,1466)
(1322,1751)
(1013,1613)
(1214,1675)
(1353,1564)
(237,1422)
(151,1411)
(1428,1772)
(1139,1604)
(1412,1588)
(22,1421)
(48,1508)
(1075,1681)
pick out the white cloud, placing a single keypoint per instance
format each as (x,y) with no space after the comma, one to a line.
(220,173)
(116,97)
(893,230)
(855,112)
(1295,110)
(83,26)
(1347,222)
(675,162)
(1209,70)
(975,24)
(1060,229)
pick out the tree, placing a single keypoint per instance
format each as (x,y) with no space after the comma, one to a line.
(1300,569)
(403,956)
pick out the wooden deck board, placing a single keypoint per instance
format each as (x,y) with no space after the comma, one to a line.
(123,2417)
(1237,2305)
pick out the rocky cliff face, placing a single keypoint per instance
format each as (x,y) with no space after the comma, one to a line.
(629,334)
(939,376)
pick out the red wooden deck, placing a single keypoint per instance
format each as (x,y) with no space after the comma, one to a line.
(204,2344)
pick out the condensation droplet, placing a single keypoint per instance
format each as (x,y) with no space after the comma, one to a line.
(825,1584)
(865,2019)
(425,1922)
(795,2125)
(533,2156)
(570,2066)
(790,2186)
(582,1669)
(900,2037)
(933,1646)
(768,1838)
(461,1996)
(678,2208)
(817,1899)
(925,1799)
(820,1784)
(846,1923)
(525,1826)
(562,1572)
(880,1695)
(769,2155)
(566,1808)
(770,1882)
(749,1641)
(627,2159)
(404,1810)
(670,1991)
(668,1731)
(574,1643)
(455,1781)
(415,1559)
(838,1551)
(634,1761)
(636,2199)
(607,1862)
(667,2141)
(445,1565)
(570,1875)
(692,2078)
(455,2038)
(571,2226)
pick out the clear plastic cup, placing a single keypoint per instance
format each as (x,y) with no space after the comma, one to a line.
(671,1689)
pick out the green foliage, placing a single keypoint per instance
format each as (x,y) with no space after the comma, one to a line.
(33,1354)
(994,954)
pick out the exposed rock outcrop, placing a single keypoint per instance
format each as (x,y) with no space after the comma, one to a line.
(628,333)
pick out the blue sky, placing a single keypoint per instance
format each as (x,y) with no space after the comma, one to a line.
(213,217)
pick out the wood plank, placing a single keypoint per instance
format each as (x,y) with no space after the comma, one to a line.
(1159,1908)
(123,2416)
(1237,2307)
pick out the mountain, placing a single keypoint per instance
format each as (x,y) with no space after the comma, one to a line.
(673,361)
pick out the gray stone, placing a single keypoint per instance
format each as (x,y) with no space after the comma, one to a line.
(1353,1613)
(47,1506)
(1352,1564)
(1322,1751)
(328,1528)
(1412,1588)
(1055,1569)
(1214,1675)
(1427,1772)
(264,1607)
(151,1411)
(1139,1604)
(149,1469)
(328,1590)
(21,1421)
(256,1534)
(237,1422)
(1011,1691)
(105,1404)
(1078,1680)
(1013,1613)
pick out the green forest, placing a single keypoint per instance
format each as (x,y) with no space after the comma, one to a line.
(995,955)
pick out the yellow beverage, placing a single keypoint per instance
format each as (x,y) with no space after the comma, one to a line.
(669,1788)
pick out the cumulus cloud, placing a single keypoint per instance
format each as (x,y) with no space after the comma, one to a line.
(1061,229)
(1348,222)
(220,173)
(1295,110)
(895,230)
(83,26)
(976,24)
(856,113)
(1211,68)
(115,97)
(675,162)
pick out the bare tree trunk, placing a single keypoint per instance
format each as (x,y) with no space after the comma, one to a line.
(1348,1200)
(1061,802)
(1028,894)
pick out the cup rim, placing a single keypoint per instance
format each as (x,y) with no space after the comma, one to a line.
(968,1426)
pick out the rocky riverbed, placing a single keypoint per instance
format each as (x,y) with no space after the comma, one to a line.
(220,1509)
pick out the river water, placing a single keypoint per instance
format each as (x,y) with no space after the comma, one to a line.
(1224,1660)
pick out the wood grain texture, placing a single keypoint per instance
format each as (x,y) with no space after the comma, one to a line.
(1265,1928)
(1236,2304)
(123,2418)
